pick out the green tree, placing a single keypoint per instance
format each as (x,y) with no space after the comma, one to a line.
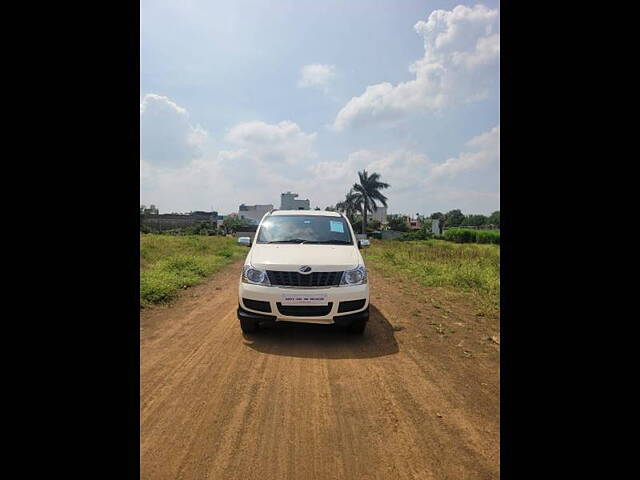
(356,222)
(398,224)
(233,223)
(494,219)
(453,218)
(351,204)
(374,225)
(369,190)
(474,221)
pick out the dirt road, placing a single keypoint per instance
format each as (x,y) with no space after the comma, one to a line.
(416,397)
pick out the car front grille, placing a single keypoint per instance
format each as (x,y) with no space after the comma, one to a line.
(304,310)
(295,279)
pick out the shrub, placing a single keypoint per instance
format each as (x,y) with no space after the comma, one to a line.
(466,235)
(457,267)
(398,224)
(460,235)
(423,234)
(488,236)
(171,262)
(198,228)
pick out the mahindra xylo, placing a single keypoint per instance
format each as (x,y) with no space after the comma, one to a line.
(304,266)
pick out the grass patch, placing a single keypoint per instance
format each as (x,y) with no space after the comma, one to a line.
(170,263)
(470,268)
(468,235)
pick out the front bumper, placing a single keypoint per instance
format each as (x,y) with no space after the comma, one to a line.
(335,295)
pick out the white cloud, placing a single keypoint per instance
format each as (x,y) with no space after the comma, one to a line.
(260,161)
(486,152)
(267,160)
(417,183)
(405,171)
(316,75)
(460,64)
(402,169)
(200,185)
(282,142)
(167,137)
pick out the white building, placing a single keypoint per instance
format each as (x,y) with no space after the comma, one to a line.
(288,202)
(253,213)
(380,214)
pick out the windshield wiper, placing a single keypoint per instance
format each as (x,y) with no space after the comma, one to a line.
(330,242)
(293,240)
(315,242)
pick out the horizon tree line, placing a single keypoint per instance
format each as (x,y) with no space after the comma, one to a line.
(363,196)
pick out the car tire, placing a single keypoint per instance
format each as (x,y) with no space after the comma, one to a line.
(248,325)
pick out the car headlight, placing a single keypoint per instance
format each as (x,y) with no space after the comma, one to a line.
(255,276)
(357,276)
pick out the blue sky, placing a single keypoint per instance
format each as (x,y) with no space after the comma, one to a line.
(242,100)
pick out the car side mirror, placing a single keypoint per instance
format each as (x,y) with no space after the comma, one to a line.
(363,243)
(246,241)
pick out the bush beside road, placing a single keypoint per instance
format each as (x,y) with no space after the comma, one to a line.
(170,263)
(463,268)
(468,235)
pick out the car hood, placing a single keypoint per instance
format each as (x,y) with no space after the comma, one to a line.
(321,258)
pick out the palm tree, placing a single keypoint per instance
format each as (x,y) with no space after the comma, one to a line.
(369,191)
(350,204)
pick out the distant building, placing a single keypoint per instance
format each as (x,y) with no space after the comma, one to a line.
(253,213)
(413,223)
(435,226)
(380,215)
(410,222)
(288,201)
(152,210)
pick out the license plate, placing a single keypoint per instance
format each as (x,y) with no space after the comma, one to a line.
(311,299)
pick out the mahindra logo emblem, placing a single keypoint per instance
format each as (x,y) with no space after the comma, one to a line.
(305,269)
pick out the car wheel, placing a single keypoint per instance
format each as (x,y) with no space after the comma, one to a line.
(248,325)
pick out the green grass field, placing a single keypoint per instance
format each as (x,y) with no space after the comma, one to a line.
(169,263)
(468,268)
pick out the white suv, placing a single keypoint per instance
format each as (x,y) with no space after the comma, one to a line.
(304,266)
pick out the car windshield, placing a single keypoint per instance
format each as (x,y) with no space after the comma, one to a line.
(307,229)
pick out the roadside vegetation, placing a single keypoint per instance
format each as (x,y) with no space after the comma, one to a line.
(463,268)
(363,198)
(169,263)
(231,224)
(467,235)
